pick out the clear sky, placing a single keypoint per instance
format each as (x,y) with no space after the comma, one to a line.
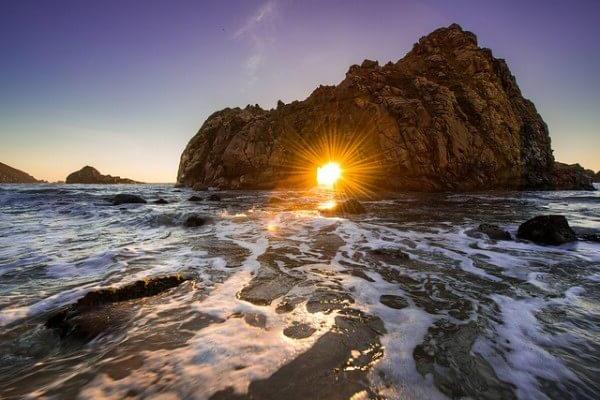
(123,85)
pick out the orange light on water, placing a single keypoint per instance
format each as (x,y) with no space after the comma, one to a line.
(327,205)
(329,174)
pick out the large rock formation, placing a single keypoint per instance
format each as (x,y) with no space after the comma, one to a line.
(447,116)
(9,174)
(91,175)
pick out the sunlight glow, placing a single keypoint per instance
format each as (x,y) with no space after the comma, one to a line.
(328,174)
(327,205)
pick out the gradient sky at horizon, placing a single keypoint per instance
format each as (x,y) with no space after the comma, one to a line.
(123,85)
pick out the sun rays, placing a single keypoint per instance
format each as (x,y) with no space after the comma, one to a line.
(339,159)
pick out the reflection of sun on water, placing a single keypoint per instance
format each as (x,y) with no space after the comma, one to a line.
(329,174)
(327,205)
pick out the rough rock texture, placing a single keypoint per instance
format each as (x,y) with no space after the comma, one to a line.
(572,177)
(99,310)
(12,175)
(547,229)
(494,232)
(194,221)
(91,175)
(447,116)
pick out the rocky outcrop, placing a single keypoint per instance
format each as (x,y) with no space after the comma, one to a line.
(572,177)
(447,116)
(90,175)
(103,309)
(9,174)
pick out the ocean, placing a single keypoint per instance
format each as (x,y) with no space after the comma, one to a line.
(407,301)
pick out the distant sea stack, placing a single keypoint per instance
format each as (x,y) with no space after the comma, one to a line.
(91,175)
(447,116)
(9,174)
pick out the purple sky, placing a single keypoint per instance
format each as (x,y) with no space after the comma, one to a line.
(123,85)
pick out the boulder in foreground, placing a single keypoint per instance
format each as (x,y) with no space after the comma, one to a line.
(103,309)
(547,229)
(90,175)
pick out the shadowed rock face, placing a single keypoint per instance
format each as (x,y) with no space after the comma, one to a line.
(447,116)
(573,177)
(91,175)
(12,175)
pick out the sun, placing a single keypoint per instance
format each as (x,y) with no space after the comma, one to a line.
(329,174)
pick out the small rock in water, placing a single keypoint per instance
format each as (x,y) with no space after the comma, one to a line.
(590,237)
(299,331)
(275,200)
(195,198)
(494,232)
(326,301)
(214,197)
(392,301)
(351,206)
(257,320)
(389,254)
(194,221)
(124,198)
(161,201)
(547,229)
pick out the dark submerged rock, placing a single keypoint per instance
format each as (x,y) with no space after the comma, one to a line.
(547,229)
(299,331)
(99,310)
(388,254)
(275,200)
(161,201)
(392,301)
(446,354)
(194,221)
(494,232)
(258,320)
(214,197)
(124,198)
(335,367)
(590,237)
(326,301)
(269,284)
(330,369)
(195,198)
